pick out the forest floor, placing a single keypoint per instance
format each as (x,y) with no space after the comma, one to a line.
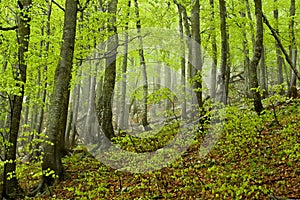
(256,157)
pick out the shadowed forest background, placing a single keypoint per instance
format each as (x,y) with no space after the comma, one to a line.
(210,86)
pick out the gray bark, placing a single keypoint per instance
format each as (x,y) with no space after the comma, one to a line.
(278,52)
(263,74)
(256,57)
(196,52)
(145,122)
(224,78)
(293,50)
(213,81)
(58,109)
(104,105)
(246,58)
(182,64)
(123,123)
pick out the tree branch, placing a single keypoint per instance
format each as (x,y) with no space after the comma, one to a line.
(276,37)
(59,6)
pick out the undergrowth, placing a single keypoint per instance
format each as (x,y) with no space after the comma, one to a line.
(255,157)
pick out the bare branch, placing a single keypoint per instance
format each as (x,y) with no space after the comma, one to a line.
(59,6)
(276,37)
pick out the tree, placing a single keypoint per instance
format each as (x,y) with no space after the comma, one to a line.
(54,149)
(144,68)
(256,57)
(104,106)
(11,187)
(292,50)
(225,73)
(196,52)
(278,52)
(214,52)
(123,123)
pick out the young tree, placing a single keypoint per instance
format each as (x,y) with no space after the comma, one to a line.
(278,52)
(213,81)
(224,77)
(144,68)
(293,49)
(256,57)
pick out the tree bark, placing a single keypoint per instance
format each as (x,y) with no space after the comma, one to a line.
(263,74)
(278,52)
(182,63)
(224,54)
(196,52)
(58,110)
(145,122)
(256,57)
(123,124)
(293,50)
(246,57)
(104,110)
(213,81)
(11,187)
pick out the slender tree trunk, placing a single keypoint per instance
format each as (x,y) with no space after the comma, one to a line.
(278,52)
(182,64)
(58,110)
(213,81)
(74,113)
(293,50)
(145,122)
(186,26)
(91,111)
(263,75)
(224,53)
(256,57)
(251,24)
(11,187)
(196,52)
(104,110)
(123,124)
(246,57)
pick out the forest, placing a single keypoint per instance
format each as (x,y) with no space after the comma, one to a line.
(160,99)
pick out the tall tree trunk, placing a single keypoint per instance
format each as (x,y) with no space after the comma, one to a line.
(246,57)
(263,75)
(104,110)
(196,52)
(182,63)
(58,109)
(90,118)
(256,57)
(278,52)
(213,77)
(293,49)
(122,123)
(145,122)
(224,54)
(11,187)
